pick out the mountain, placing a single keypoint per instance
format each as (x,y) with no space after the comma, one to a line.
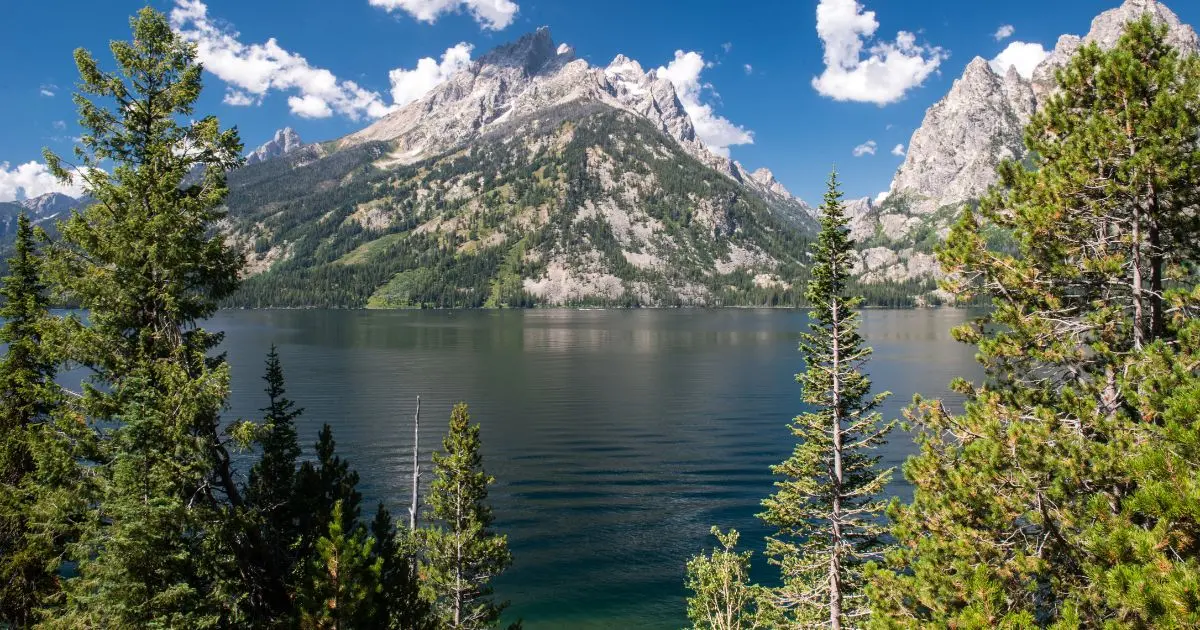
(529,177)
(953,155)
(286,141)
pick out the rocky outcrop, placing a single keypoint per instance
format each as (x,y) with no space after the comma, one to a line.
(285,142)
(953,155)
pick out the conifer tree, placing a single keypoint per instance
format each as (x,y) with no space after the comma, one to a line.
(462,552)
(722,596)
(320,486)
(1059,497)
(146,263)
(398,604)
(28,395)
(343,578)
(270,494)
(826,508)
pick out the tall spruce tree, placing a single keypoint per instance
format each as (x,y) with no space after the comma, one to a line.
(462,553)
(146,263)
(1060,496)
(28,395)
(270,494)
(826,508)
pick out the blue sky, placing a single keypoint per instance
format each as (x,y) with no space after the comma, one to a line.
(324,45)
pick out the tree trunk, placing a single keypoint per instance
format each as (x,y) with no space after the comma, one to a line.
(416,471)
(835,569)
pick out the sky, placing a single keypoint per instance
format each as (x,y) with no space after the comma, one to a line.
(797,86)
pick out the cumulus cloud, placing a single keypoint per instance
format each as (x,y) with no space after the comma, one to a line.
(490,14)
(255,69)
(898,150)
(1023,56)
(716,132)
(866,148)
(748,68)
(881,197)
(33,179)
(238,98)
(1004,32)
(728,47)
(410,85)
(886,72)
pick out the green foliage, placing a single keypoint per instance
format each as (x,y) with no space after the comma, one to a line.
(1060,497)
(398,604)
(146,265)
(342,578)
(28,397)
(722,596)
(826,508)
(462,553)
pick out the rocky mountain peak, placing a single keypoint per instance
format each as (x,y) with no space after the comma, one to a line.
(530,53)
(1108,26)
(48,205)
(285,141)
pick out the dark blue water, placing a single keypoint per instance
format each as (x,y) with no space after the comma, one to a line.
(617,438)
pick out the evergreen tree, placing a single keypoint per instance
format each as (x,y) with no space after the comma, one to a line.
(319,487)
(463,554)
(827,508)
(398,604)
(1059,497)
(343,578)
(722,596)
(270,493)
(146,264)
(27,397)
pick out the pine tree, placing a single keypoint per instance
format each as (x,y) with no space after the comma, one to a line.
(827,508)
(28,395)
(319,487)
(722,596)
(398,604)
(1060,497)
(463,554)
(146,264)
(343,578)
(270,494)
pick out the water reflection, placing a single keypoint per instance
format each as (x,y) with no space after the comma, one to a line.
(617,437)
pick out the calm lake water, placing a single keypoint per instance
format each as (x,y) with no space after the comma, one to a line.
(617,438)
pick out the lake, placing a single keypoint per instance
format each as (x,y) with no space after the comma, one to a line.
(617,437)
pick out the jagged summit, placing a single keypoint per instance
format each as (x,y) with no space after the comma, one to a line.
(530,53)
(518,82)
(285,141)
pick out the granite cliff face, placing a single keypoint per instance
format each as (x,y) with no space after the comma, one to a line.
(952,157)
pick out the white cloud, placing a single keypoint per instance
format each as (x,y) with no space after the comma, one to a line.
(256,69)
(59,124)
(881,197)
(866,148)
(727,46)
(717,132)
(48,90)
(309,106)
(898,150)
(32,179)
(1004,32)
(889,69)
(1023,56)
(239,98)
(410,85)
(490,14)
(748,68)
